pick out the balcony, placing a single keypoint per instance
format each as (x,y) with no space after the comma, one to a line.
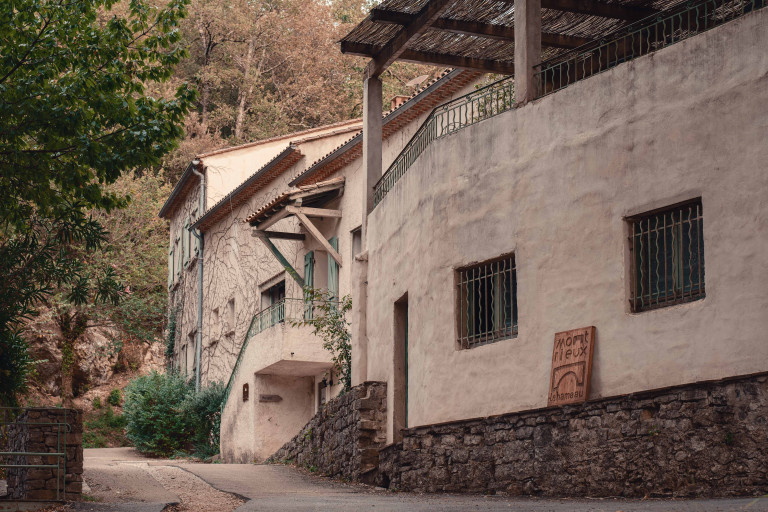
(278,344)
(285,346)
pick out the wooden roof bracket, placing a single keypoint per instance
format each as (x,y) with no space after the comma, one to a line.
(315,233)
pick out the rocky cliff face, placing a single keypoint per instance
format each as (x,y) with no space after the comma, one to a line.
(100,355)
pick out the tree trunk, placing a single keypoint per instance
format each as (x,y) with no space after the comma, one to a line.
(72,326)
(243,94)
(206,40)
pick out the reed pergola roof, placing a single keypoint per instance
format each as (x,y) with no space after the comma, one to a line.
(480,34)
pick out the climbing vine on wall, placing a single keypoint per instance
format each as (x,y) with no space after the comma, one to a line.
(328,318)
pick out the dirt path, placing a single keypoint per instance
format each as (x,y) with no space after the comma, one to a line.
(121,479)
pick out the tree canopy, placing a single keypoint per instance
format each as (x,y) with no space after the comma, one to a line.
(75,114)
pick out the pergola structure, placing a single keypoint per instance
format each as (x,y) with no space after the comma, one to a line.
(507,37)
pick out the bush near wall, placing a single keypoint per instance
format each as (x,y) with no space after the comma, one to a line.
(165,416)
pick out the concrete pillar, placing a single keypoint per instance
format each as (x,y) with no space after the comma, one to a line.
(527,48)
(372,138)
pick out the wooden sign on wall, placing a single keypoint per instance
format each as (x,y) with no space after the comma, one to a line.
(571,366)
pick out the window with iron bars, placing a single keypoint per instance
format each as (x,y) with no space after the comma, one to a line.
(487,302)
(667,256)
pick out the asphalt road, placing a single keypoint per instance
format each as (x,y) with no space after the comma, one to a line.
(123,479)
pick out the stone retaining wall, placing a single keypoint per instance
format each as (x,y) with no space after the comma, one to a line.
(707,439)
(35,430)
(344,438)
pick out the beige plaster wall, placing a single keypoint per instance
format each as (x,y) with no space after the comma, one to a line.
(182,295)
(238,268)
(226,170)
(552,181)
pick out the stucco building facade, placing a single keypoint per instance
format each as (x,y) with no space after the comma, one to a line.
(246,332)
(562,266)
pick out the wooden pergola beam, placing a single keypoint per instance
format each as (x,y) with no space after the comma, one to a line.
(409,33)
(596,8)
(438,59)
(474,28)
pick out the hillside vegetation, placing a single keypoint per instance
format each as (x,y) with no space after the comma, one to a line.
(104,104)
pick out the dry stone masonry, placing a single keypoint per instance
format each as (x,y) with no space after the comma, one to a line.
(46,430)
(707,439)
(344,438)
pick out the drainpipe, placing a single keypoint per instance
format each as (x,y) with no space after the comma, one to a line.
(199,235)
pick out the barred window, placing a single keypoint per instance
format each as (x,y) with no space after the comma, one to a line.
(667,254)
(487,302)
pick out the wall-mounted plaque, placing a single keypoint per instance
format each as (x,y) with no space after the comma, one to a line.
(571,366)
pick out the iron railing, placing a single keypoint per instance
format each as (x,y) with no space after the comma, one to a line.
(487,302)
(19,462)
(667,257)
(640,38)
(446,119)
(285,309)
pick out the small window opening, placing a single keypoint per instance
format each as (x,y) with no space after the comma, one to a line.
(667,256)
(487,310)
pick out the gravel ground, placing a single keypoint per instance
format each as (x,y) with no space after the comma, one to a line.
(194,494)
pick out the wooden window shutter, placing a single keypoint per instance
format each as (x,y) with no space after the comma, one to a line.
(170,268)
(309,282)
(333,270)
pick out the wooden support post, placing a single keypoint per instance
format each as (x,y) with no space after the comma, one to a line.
(372,140)
(284,262)
(527,48)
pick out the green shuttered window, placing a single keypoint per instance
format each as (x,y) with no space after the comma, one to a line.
(333,270)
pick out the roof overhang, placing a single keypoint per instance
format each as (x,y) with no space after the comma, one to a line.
(279,164)
(183,186)
(309,196)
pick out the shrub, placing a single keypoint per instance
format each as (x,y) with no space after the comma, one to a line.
(156,423)
(115,397)
(104,430)
(203,410)
(165,415)
(97,402)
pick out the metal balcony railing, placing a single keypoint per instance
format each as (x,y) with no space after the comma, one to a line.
(640,38)
(444,120)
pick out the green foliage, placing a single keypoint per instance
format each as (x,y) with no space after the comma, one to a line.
(137,250)
(73,109)
(115,397)
(15,366)
(330,323)
(96,402)
(203,410)
(105,429)
(165,416)
(170,337)
(74,116)
(153,408)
